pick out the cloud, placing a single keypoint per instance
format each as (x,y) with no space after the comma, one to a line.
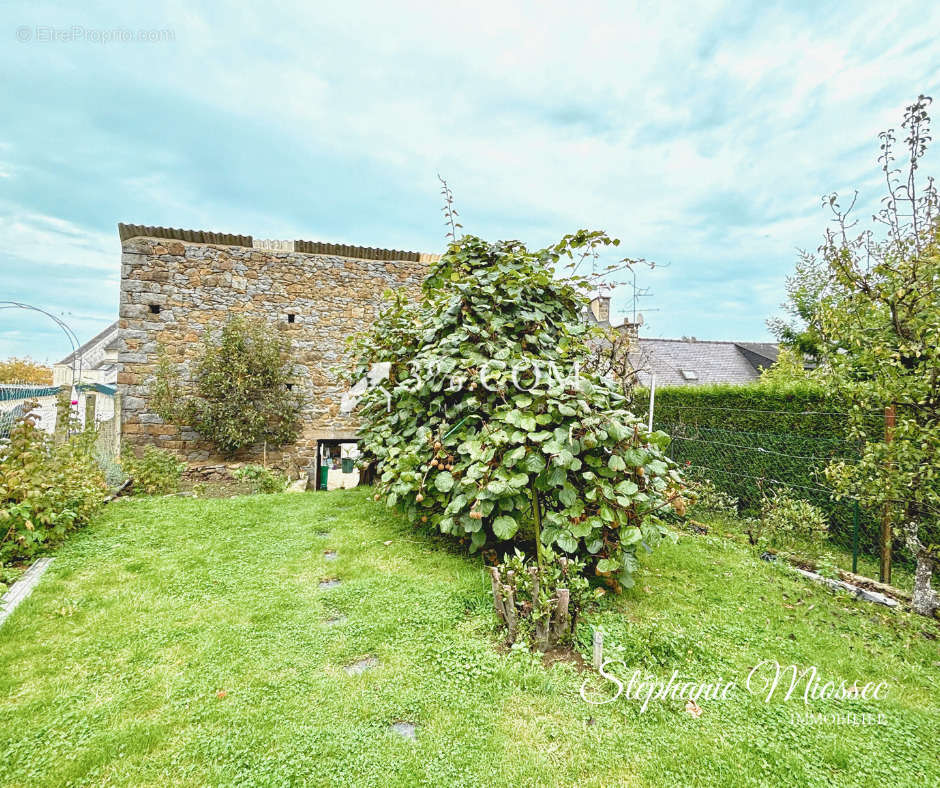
(702,135)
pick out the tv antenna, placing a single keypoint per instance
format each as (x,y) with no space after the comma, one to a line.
(638,293)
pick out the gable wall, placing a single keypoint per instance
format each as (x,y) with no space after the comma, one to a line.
(198,286)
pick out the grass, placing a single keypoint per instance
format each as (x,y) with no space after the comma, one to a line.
(185,642)
(823,551)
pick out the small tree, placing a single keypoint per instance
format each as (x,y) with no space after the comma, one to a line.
(24,370)
(618,355)
(878,318)
(801,332)
(788,368)
(239,395)
(488,427)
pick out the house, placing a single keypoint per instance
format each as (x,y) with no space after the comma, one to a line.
(692,362)
(687,361)
(96,361)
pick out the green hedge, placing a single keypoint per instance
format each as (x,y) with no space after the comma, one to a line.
(755,439)
(803,409)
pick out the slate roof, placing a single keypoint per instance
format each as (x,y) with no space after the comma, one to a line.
(685,362)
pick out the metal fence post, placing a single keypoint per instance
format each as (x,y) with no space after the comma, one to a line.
(652,400)
(855,538)
(598,649)
(118,417)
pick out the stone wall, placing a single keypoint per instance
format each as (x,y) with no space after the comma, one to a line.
(172,292)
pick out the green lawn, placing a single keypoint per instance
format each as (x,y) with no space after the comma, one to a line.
(185,642)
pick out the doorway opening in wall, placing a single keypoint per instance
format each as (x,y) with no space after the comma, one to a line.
(336,465)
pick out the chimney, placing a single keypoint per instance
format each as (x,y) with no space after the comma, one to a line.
(600,308)
(631,330)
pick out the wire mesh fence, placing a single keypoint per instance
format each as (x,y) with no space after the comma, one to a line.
(84,406)
(789,457)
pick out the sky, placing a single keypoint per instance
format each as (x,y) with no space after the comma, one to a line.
(701,134)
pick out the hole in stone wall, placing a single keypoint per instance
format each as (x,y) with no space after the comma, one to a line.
(291,317)
(155,309)
(290,386)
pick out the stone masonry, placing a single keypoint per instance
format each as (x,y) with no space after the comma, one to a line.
(173,291)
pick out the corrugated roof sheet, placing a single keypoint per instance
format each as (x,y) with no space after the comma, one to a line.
(127,231)
(176,234)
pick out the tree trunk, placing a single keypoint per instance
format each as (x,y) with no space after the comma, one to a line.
(498,595)
(539,616)
(510,606)
(924,599)
(561,626)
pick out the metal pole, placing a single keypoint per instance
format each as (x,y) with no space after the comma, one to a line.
(652,400)
(855,538)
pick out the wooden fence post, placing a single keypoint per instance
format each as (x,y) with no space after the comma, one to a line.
(63,412)
(116,422)
(598,649)
(89,410)
(886,517)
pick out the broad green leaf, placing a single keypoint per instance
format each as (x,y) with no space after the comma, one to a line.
(567,495)
(567,543)
(627,487)
(630,535)
(505,527)
(616,463)
(534,462)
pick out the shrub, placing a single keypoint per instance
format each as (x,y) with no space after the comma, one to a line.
(539,606)
(46,490)
(467,444)
(785,520)
(239,395)
(24,370)
(261,479)
(155,472)
(705,496)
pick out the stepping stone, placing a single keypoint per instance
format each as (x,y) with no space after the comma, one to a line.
(322,533)
(330,555)
(361,666)
(329,583)
(332,621)
(405,729)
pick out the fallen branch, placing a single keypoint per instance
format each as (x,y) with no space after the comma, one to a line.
(127,483)
(849,577)
(841,585)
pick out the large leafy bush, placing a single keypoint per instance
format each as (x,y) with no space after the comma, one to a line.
(486,430)
(46,490)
